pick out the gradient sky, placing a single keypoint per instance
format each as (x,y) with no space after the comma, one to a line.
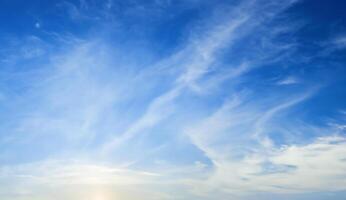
(172,99)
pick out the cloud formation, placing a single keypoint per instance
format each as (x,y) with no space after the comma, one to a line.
(226,105)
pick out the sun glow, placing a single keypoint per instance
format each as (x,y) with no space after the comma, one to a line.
(101,195)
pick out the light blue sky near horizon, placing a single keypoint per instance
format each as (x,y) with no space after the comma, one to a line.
(164,99)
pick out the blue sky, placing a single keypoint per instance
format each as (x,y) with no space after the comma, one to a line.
(164,99)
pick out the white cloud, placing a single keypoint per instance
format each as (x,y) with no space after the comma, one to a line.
(316,167)
(244,164)
(288,81)
(196,59)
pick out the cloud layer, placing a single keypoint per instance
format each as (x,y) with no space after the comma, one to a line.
(225,106)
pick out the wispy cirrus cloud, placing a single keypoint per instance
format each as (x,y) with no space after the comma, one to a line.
(199,56)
